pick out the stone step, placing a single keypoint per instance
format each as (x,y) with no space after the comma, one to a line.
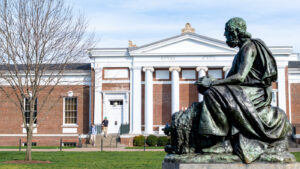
(110,141)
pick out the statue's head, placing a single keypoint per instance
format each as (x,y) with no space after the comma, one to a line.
(236,32)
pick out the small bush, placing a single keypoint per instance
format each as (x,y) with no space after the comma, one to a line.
(151,140)
(138,140)
(163,140)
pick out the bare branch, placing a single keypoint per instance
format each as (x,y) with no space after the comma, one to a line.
(38,40)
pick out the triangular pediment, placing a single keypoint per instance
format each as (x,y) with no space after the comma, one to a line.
(185,44)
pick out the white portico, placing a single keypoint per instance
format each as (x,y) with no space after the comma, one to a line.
(157,78)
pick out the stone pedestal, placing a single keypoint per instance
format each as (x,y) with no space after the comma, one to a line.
(283,160)
(170,165)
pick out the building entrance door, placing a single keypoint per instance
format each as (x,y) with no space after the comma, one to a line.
(114,115)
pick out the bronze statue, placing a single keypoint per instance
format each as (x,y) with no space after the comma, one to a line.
(236,116)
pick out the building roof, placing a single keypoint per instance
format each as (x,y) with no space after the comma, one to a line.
(294,64)
(71,66)
(173,37)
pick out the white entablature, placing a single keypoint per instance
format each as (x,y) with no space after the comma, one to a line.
(184,44)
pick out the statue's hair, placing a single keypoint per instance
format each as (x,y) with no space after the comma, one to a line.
(239,25)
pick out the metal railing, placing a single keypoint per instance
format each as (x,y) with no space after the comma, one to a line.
(99,128)
(124,129)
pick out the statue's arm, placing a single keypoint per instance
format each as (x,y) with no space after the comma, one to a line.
(248,56)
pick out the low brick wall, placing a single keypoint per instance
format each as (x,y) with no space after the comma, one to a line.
(128,141)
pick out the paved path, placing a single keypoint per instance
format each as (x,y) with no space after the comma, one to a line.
(85,149)
(93,149)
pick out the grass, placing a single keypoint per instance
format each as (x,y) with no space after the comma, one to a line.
(34,147)
(297,155)
(142,147)
(99,160)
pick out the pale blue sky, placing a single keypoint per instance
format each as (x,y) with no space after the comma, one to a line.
(114,22)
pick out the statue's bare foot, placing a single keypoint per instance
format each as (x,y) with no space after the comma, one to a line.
(221,147)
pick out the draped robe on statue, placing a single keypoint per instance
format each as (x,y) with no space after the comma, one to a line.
(242,112)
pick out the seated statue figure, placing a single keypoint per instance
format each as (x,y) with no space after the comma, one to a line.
(236,115)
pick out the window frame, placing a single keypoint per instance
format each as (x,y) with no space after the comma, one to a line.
(64,111)
(36,112)
(216,68)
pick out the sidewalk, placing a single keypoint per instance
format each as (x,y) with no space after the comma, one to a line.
(94,149)
(85,149)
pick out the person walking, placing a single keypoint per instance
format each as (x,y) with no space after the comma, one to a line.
(93,135)
(104,126)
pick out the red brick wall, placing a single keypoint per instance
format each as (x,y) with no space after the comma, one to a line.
(295,106)
(50,117)
(127,141)
(92,94)
(188,95)
(162,104)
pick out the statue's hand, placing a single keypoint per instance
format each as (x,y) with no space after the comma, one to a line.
(204,83)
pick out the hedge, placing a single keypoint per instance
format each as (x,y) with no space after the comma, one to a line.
(138,140)
(151,140)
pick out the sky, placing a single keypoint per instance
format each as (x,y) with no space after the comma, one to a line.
(114,22)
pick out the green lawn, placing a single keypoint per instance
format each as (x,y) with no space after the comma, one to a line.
(93,160)
(297,155)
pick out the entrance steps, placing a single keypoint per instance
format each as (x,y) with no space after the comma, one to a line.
(112,140)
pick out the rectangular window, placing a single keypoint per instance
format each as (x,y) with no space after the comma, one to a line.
(188,74)
(70,110)
(69,144)
(27,111)
(215,73)
(116,102)
(33,144)
(162,74)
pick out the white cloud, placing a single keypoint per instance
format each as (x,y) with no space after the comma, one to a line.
(143,21)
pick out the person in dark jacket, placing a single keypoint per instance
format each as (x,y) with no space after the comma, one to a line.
(104,126)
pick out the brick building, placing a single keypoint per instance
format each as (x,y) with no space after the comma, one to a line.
(142,86)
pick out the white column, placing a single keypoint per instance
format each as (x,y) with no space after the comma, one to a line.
(226,70)
(201,73)
(175,88)
(125,110)
(98,96)
(148,99)
(136,108)
(281,88)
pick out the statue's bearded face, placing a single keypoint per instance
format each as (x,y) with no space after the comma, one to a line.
(232,38)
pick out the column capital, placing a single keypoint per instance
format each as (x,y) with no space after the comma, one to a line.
(201,68)
(226,68)
(174,68)
(148,68)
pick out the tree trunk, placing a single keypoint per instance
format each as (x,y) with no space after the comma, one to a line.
(29,143)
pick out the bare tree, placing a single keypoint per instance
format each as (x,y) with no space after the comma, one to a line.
(38,40)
